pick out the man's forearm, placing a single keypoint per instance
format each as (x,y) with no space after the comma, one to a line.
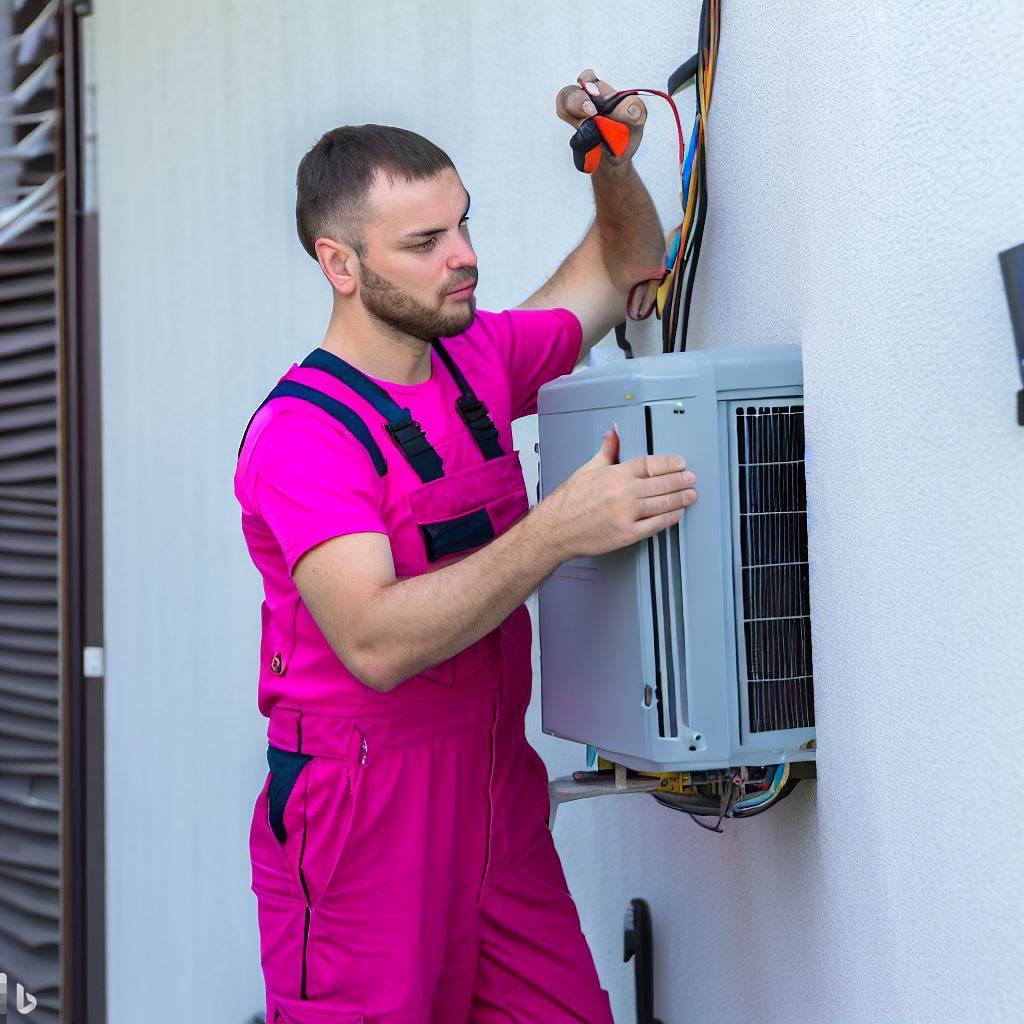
(627,225)
(421,621)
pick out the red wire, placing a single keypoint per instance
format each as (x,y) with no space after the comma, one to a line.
(681,157)
(616,96)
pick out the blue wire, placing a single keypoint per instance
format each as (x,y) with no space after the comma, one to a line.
(688,162)
(756,801)
(673,252)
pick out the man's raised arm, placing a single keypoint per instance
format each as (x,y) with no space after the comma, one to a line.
(624,244)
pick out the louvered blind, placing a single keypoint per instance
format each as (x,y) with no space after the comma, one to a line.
(29,823)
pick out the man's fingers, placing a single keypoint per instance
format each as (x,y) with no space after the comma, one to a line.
(631,109)
(575,102)
(573,105)
(592,84)
(655,524)
(655,465)
(664,503)
(649,487)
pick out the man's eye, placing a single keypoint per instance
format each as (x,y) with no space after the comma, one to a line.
(426,246)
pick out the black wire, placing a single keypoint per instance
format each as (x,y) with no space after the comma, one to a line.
(691,264)
(702,38)
(666,319)
(710,828)
(670,321)
(685,73)
(703,42)
(672,325)
(688,804)
(621,341)
(694,806)
(682,75)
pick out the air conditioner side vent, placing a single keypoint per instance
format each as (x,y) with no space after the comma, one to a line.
(663,559)
(772,555)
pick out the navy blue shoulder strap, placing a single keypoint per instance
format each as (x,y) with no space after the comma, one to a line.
(473,412)
(404,430)
(328,362)
(342,413)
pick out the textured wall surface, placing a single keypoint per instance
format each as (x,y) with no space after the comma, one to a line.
(866,166)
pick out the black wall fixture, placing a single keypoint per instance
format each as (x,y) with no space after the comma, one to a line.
(638,945)
(1012,262)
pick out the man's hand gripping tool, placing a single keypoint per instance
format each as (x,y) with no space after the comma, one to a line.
(599,133)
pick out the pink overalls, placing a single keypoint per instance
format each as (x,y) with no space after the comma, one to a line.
(401,858)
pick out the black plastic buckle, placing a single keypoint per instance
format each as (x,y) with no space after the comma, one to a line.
(405,433)
(475,415)
(471,407)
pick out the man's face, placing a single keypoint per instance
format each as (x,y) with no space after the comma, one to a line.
(418,255)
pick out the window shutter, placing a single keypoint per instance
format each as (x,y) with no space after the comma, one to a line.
(30,850)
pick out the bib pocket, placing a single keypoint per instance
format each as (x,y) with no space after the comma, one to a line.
(457,514)
(470,507)
(450,536)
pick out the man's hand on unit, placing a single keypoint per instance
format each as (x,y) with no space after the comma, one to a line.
(606,505)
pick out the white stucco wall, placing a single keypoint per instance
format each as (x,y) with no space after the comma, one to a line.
(866,165)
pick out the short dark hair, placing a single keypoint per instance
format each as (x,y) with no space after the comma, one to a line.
(336,175)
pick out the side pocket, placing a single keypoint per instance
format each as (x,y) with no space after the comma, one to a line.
(275,839)
(285,766)
(331,794)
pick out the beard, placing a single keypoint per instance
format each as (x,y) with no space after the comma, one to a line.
(400,311)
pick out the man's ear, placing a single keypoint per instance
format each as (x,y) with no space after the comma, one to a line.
(339,262)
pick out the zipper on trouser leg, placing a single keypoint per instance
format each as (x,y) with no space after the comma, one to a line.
(305,947)
(303,994)
(490,796)
(302,878)
(305,888)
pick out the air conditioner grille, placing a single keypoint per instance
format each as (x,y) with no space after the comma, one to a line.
(667,620)
(773,564)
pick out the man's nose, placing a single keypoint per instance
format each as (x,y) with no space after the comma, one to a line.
(462,255)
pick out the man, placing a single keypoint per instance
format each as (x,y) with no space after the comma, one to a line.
(401,860)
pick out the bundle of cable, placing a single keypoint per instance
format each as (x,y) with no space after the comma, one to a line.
(670,293)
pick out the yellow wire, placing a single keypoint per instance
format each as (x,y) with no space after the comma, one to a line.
(705,84)
(714,39)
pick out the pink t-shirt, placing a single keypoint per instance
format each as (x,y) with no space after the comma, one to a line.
(302,478)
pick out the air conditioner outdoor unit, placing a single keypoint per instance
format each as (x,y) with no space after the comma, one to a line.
(689,652)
